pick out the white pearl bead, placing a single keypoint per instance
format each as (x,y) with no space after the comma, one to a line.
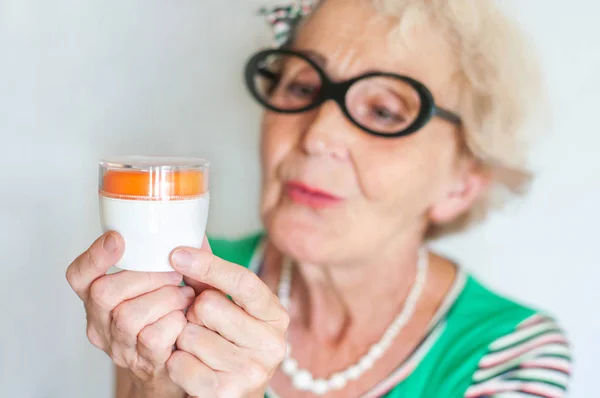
(376,351)
(365,364)
(353,373)
(394,329)
(289,366)
(320,387)
(386,342)
(391,333)
(302,380)
(337,381)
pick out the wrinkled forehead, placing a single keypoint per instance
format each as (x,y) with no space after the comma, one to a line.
(353,37)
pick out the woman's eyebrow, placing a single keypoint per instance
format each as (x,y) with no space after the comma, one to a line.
(315,56)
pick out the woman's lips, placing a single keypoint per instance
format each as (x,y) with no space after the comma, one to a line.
(309,196)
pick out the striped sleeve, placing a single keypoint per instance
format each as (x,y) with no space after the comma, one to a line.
(531,362)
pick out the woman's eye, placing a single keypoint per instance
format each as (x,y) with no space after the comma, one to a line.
(384,115)
(302,90)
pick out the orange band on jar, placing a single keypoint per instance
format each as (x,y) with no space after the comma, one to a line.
(144,185)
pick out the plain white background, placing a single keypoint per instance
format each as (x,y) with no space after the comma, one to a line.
(83,79)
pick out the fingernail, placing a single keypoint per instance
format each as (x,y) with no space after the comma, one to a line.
(110,244)
(183,259)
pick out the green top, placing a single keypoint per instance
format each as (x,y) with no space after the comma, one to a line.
(478,345)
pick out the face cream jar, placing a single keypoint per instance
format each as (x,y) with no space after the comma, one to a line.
(157,204)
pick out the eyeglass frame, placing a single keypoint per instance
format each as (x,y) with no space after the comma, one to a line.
(337,91)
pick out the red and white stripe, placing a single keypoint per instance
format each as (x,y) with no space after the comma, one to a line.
(534,360)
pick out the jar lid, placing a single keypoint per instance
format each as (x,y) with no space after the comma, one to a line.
(153,177)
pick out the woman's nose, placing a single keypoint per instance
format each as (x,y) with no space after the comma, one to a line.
(328,133)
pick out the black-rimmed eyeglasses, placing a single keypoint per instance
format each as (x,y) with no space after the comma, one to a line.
(382,104)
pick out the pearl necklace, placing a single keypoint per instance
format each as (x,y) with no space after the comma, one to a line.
(303,380)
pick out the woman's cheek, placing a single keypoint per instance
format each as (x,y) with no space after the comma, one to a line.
(273,152)
(273,146)
(270,197)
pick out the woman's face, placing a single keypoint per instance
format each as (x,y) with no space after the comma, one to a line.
(334,194)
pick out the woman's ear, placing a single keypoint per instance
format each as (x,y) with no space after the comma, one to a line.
(471,182)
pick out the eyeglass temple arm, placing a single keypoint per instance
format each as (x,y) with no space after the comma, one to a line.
(448,115)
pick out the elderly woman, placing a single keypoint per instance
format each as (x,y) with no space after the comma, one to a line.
(387,123)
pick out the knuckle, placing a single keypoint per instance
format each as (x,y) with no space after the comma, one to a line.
(101,294)
(206,303)
(151,338)
(119,361)
(178,321)
(170,365)
(173,362)
(209,298)
(255,374)
(285,320)
(186,337)
(117,355)
(250,285)
(275,347)
(122,323)
(170,295)
(177,295)
(208,259)
(209,294)
(156,337)
(279,350)
(94,337)
(93,258)
(72,277)
(195,311)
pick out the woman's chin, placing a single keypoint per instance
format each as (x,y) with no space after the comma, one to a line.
(298,235)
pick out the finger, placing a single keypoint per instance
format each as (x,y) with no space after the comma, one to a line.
(212,349)
(95,262)
(111,290)
(215,311)
(246,289)
(206,244)
(199,287)
(197,379)
(156,341)
(131,316)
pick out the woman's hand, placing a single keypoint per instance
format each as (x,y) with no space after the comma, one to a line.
(228,349)
(134,317)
